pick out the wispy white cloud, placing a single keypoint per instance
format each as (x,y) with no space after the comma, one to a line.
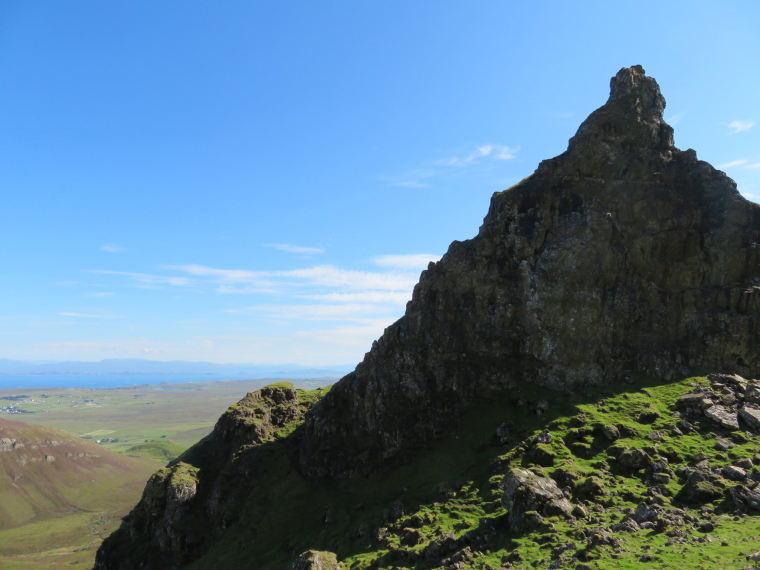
(498,152)
(673,120)
(330,276)
(417,261)
(419,177)
(739,126)
(353,336)
(355,312)
(732,164)
(87,315)
(742,164)
(102,294)
(247,289)
(354,306)
(221,275)
(321,275)
(375,297)
(413,179)
(112,248)
(296,248)
(146,280)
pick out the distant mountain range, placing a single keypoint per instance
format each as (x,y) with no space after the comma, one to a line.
(140,366)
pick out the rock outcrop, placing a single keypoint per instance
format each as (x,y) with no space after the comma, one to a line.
(622,255)
(528,497)
(187,505)
(314,560)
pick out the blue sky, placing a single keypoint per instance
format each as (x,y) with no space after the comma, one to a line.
(264,181)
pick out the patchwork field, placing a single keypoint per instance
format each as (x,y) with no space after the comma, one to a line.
(122,418)
(57,504)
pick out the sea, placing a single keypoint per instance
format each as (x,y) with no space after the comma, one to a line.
(102,381)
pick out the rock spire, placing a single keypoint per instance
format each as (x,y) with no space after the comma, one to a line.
(623,255)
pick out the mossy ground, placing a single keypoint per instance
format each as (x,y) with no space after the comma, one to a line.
(444,509)
(162,450)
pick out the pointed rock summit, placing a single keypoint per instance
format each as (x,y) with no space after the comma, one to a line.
(632,117)
(623,255)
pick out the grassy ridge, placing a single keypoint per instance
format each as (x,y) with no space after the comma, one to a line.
(445,509)
(159,450)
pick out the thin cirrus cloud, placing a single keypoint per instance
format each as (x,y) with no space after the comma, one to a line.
(355,336)
(369,300)
(496,151)
(398,298)
(673,120)
(733,164)
(741,163)
(296,248)
(355,306)
(320,275)
(112,248)
(418,178)
(86,315)
(739,126)
(146,280)
(355,312)
(406,261)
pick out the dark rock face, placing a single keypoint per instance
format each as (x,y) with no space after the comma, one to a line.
(623,254)
(187,505)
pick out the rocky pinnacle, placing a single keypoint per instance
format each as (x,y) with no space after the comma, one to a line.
(622,255)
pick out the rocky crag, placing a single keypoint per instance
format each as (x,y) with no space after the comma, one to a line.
(623,258)
(623,254)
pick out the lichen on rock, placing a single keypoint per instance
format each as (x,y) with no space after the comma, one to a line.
(526,492)
(315,560)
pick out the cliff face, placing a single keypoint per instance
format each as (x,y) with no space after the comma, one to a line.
(622,255)
(188,505)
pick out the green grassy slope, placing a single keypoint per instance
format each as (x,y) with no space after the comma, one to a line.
(60,495)
(446,510)
(160,450)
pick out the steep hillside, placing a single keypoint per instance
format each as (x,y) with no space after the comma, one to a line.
(632,472)
(501,422)
(60,493)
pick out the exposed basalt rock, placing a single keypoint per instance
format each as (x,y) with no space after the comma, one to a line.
(723,417)
(623,254)
(525,493)
(702,486)
(751,417)
(189,504)
(746,499)
(314,560)
(633,459)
